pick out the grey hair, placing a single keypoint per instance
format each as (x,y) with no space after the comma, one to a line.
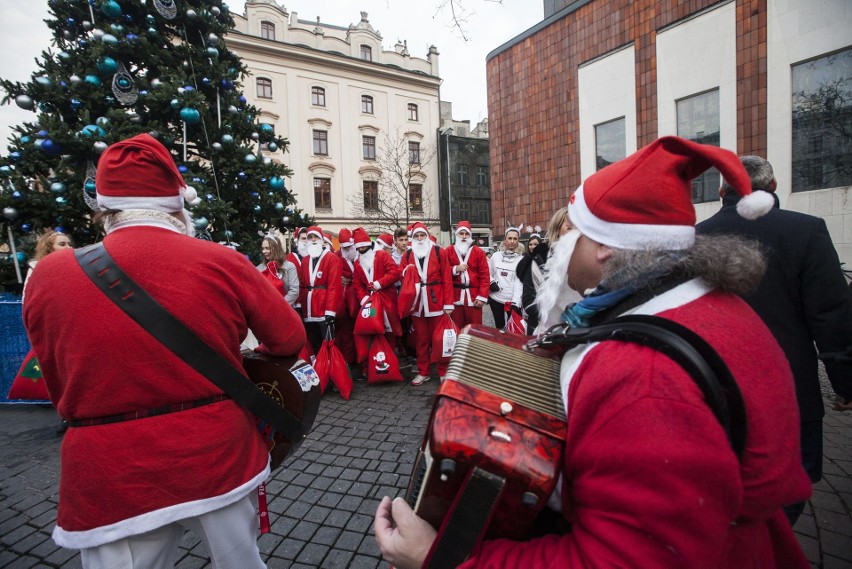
(724,262)
(759,170)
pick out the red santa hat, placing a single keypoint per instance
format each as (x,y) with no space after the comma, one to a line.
(345,237)
(327,238)
(463,225)
(361,238)
(139,173)
(410,228)
(298,231)
(416,228)
(433,239)
(315,230)
(645,200)
(385,240)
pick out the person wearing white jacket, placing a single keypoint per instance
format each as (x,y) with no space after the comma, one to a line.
(505,284)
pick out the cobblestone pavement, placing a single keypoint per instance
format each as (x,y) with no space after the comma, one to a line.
(321,505)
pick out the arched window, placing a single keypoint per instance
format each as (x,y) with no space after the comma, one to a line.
(318,96)
(267,30)
(264,88)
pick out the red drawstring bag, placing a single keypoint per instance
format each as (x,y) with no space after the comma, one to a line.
(514,322)
(362,347)
(383,365)
(322,364)
(408,292)
(307,354)
(338,371)
(371,318)
(271,274)
(444,339)
(29,383)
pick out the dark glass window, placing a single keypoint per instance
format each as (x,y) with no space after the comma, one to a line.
(371,195)
(318,96)
(462,174)
(366,53)
(414,153)
(320,143)
(415,197)
(698,120)
(267,30)
(610,143)
(412,112)
(264,88)
(482,176)
(322,193)
(822,122)
(367,104)
(369,146)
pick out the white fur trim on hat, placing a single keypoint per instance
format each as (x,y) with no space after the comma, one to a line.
(417,230)
(167,204)
(317,233)
(756,204)
(633,236)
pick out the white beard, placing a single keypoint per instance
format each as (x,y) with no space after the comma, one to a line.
(462,247)
(315,249)
(366,260)
(302,248)
(555,294)
(349,253)
(421,248)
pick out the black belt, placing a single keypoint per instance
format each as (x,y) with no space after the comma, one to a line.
(318,287)
(130,416)
(433,283)
(460,286)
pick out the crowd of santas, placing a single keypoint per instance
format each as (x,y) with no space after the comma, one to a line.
(376,303)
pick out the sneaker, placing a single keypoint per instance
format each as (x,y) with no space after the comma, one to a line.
(420,379)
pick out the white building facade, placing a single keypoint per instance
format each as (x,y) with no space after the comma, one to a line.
(340,98)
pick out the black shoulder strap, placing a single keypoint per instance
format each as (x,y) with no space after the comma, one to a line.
(686,348)
(183,342)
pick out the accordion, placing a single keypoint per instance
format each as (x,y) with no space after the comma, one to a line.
(499,412)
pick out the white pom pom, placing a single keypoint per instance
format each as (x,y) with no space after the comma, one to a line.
(188,193)
(755,204)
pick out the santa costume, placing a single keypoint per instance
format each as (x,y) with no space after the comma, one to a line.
(295,256)
(434,298)
(345,320)
(650,479)
(322,290)
(470,286)
(199,467)
(376,273)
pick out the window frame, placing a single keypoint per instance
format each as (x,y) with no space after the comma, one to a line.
(367,104)
(368,51)
(414,152)
(323,186)
(320,142)
(370,192)
(462,174)
(267,83)
(415,191)
(413,112)
(604,126)
(705,187)
(317,96)
(265,27)
(482,175)
(368,147)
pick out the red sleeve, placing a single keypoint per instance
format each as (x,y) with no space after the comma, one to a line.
(392,272)
(274,322)
(483,273)
(447,279)
(335,287)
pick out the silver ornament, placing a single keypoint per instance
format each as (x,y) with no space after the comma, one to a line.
(216,146)
(87,25)
(233,110)
(156,83)
(10,213)
(25,102)
(255,136)
(191,15)
(98,34)
(100,146)
(180,90)
(123,87)
(212,40)
(215,11)
(74,79)
(267,160)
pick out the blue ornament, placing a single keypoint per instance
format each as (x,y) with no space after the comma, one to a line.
(116,28)
(142,92)
(44,107)
(228,233)
(272,147)
(57,188)
(266,128)
(15,156)
(70,22)
(44,81)
(16,195)
(243,99)
(255,195)
(82,43)
(63,84)
(128,18)
(150,19)
(227,85)
(102,121)
(109,39)
(26,227)
(21,256)
(64,55)
(197,180)
(257,209)
(107,65)
(90,187)
(93,80)
(250,158)
(182,169)
(212,53)
(42,134)
(227,139)
(76,104)
(51,148)
(152,31)
(175,103)
(190,115)
(5,170)
(111,9)
(131,37)
(61,200)
(201,222)
(25,139)
(109,100)
(59,228)
(209,197)
(242,176)
(279,206)
(205,81)
(276,183)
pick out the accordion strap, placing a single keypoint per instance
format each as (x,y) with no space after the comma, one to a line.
(183,342)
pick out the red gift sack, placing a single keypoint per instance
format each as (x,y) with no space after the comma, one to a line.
(408,292)
(271,274)
(307,354)
(514,323)
(371,318)
(383,365)
(362,347)
(29,384)
(338,371)
(444,339)
(322,364)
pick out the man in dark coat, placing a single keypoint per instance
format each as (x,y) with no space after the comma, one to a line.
(803,299)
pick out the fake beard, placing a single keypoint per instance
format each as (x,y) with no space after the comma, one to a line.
(302,248)
(366,260)
(462,247)
(349,253)
(421,248)
(555,294)
(315,249)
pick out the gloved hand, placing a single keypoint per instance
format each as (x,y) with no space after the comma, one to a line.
(494,287)
(329,320)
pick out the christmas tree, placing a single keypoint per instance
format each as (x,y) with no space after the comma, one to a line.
(120,68)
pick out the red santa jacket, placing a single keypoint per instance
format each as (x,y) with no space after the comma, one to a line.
(386,273)
(348,301)
(322,292)
(436,282)
(650,479)
(296,259)
(130,477)
(472,284)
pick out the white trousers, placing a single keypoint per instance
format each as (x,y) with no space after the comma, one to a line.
(229,533)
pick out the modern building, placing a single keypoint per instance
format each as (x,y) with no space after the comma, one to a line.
(350,110)
(598,79)
(465,178)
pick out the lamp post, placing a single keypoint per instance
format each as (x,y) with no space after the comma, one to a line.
(446,133)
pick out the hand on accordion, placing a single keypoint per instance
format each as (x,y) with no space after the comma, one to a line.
(403,537)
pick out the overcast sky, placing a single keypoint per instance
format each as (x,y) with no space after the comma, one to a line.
(23,35)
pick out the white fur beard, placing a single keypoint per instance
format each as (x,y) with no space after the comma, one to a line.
(349,253)
(302,248)
(555,294)
(366,261)
(421,248)
(315,249)
(462,247)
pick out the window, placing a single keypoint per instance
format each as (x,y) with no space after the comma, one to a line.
(264,88)
(366,53)
(698,120)
(822,122)
(322,193)
(415,197)
(318,96)
(371,195)
(267,30)
(610,143)
(320,143)
(369,146)
(367,104)
(414,153)
(462,174)
(482,176)
(412,112)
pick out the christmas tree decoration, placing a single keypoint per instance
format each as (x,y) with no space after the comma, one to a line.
(124,68)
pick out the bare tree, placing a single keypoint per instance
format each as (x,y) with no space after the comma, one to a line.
(459,14)
(395,192)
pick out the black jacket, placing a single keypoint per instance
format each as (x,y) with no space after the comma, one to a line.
(525,273)
(803,298)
